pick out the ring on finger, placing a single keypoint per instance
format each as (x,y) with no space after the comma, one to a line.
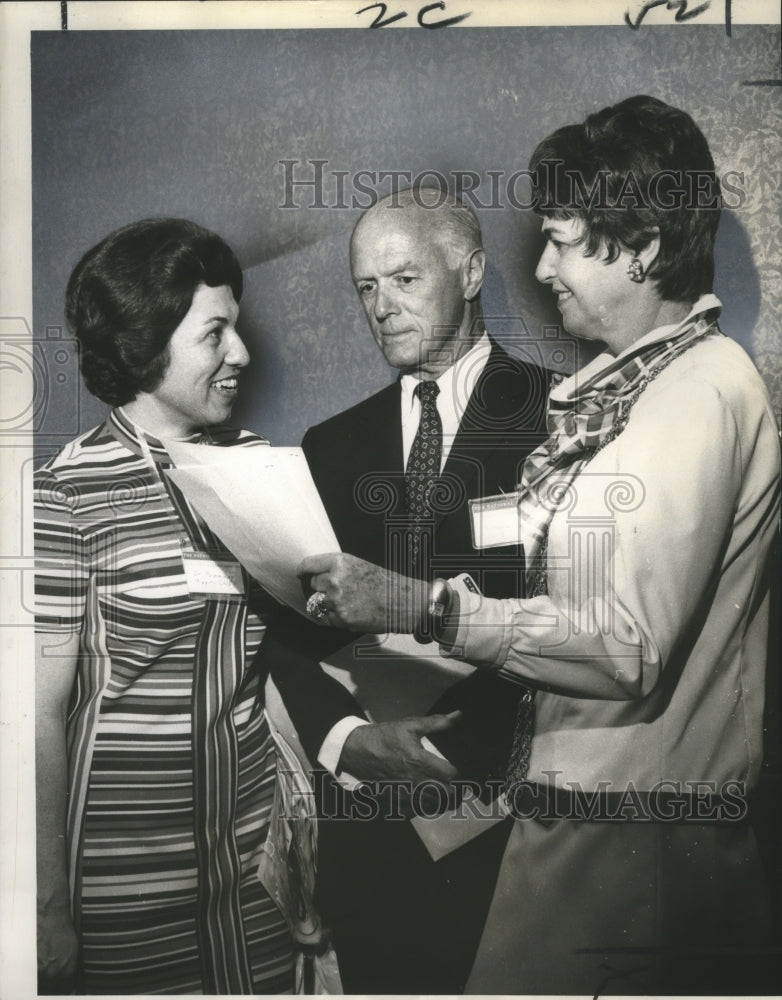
(316,606)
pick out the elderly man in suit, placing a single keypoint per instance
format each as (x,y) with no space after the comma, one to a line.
(395,473)
(418,272)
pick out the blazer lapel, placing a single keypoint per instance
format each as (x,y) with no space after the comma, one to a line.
(384,431)
(377,463)
(481,429)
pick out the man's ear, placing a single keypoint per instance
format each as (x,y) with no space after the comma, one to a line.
(473,271)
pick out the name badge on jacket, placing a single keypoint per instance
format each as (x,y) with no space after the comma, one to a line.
(206,575)
(494,521)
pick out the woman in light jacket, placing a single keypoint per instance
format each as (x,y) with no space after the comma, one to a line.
(648,517)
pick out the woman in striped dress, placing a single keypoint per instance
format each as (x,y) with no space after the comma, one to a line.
(156,768)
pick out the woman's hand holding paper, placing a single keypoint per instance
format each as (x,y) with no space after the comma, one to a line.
(363,597)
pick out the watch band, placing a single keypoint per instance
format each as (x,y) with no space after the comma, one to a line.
(438,604)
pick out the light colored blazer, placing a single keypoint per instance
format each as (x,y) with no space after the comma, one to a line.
(651,651)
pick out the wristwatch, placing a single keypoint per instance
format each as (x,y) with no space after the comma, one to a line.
(438,604)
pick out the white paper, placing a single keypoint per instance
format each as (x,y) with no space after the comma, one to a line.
(443,834)
(262,504)
(393,676)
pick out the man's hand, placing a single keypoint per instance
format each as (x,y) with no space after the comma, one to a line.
(58,950)
(392,752)
(363,597)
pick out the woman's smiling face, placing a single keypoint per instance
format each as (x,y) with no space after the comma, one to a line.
(593,295)
(206,354)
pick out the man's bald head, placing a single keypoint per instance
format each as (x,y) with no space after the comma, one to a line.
(418,272)
(432,214)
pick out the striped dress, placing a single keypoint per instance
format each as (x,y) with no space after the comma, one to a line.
(172,766)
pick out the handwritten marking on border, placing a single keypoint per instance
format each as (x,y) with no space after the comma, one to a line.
(383,19)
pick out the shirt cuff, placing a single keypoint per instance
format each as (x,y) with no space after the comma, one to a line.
(332,747)
(481,628)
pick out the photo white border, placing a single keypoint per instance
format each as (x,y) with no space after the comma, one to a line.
(17,20)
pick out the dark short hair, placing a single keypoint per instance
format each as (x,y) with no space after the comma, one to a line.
(628,171)
(128,294)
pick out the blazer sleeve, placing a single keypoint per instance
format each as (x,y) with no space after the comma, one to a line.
(291,654)
(611,637)
(312,450)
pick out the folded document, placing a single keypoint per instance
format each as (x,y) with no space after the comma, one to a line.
(262,504)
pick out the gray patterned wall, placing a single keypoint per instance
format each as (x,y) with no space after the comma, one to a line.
(132,124)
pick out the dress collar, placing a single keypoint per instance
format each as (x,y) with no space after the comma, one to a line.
(122,428)
(606,364)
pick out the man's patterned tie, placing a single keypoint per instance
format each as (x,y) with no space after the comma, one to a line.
(423,471)
(521,750)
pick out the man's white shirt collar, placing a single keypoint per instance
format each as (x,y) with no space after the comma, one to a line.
(456,386)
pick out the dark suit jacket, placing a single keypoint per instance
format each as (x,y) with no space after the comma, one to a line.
(356,462)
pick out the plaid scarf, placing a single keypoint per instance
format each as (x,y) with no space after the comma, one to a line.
(584,422)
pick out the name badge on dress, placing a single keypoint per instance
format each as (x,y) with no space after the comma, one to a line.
(205,575)
(495,521)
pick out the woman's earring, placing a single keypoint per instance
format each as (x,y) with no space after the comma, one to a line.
(636,270)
